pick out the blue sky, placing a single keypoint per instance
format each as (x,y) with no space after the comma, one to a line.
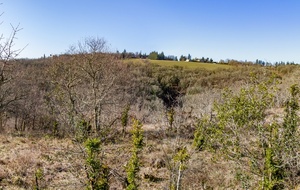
(236,29)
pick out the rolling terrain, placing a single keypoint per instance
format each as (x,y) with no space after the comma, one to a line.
(45,131)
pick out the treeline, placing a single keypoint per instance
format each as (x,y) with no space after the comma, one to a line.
(257,62)
(154,55)
(130,55)
(189,59)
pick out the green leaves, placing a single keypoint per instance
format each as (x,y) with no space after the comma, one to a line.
(239,132)
(201,134)
(181,156)
(137,135)
(93,146)
(246,108)
(124,117)
(134,163)
(96,171)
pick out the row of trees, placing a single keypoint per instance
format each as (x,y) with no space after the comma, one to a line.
(154,55)
(129,55)
(257,62)
(161,56)
(189,58)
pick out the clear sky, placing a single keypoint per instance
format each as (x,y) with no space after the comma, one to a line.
(236,29)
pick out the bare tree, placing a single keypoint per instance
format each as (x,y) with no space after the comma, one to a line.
(8,53)
(63,98)
(101,71)
(89,82)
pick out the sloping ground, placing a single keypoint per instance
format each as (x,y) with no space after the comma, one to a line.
(186,65)
(191,65)
(62,162)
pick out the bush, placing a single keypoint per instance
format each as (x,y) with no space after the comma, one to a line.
(96,171)
(133,166)
(238,132)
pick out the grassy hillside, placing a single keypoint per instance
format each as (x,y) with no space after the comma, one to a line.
(187,65)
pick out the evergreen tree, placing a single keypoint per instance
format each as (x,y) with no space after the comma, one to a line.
(161,56)
(182,58)
(153,55)
(124,53)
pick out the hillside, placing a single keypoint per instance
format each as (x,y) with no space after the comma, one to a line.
(188,112)
(186,65)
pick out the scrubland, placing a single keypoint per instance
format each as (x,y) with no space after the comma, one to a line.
(230,127)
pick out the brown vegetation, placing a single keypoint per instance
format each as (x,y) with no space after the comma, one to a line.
(51,106)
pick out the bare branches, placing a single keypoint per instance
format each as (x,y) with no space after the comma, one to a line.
(7,51)
(89,45)
(86,83)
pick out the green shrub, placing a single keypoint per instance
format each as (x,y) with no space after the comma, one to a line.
(239,117)
(124,118)
(181,157)
(83,130)
(170,116)
(96,171)
(39,175)
(133,166)
(200,135)
(289,140)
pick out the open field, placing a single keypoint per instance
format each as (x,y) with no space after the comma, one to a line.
(186,65)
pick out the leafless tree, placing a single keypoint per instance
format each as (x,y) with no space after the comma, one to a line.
(8,53)
(88,81)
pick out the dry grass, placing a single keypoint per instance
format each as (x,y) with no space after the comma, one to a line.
(62,162)
(21,157)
